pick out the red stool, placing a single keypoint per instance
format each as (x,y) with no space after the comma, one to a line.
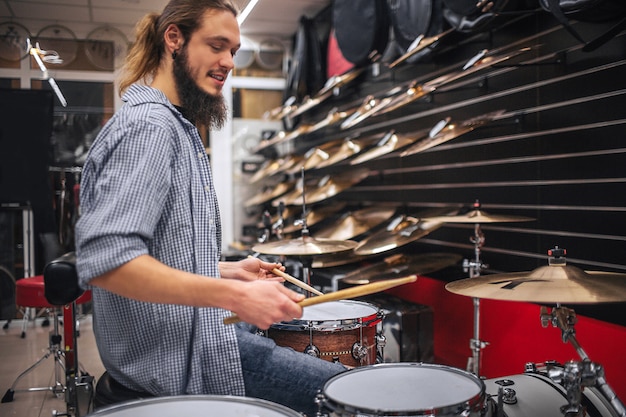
(30,293)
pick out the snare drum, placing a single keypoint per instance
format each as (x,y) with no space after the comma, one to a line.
(197,406)
(535,395)
(341,331)
(403,389)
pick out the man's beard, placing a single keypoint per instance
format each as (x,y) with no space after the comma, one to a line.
(201,107)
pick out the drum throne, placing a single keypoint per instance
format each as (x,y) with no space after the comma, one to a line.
(58,289)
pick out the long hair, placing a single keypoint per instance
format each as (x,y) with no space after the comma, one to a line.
(144,56)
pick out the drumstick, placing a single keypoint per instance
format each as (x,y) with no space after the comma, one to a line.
(295,281)
(353,292)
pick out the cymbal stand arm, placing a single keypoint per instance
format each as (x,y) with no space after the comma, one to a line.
(474,267)
(576,375)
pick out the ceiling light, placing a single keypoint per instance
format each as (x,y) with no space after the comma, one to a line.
(246,11)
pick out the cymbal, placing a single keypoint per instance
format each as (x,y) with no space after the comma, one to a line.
(339,80)
(355,223)
(445,131)
(336,259)
(283,136)
(304,246)
(310,102)
(400,265)
(478,216)
(367,108)
(314,216)
(273,167)
(413,92)
(326,187)
(401,231)
(269,194)
(418,45)
(390,142)
(546,284)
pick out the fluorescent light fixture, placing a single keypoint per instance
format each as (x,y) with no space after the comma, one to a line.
(246,11)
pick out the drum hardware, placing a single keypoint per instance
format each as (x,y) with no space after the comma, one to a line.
(474,267)
(558,283)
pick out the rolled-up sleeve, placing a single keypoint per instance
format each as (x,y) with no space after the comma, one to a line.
(124,186)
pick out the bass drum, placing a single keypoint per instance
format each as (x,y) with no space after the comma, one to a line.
(197,406)
(538,396)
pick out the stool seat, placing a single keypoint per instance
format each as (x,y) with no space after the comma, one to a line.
(30,292)
(109,392)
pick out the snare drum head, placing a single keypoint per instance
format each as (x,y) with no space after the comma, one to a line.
(338,310)
(407,388)
(197,406)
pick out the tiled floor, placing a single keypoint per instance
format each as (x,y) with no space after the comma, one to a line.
(17,354)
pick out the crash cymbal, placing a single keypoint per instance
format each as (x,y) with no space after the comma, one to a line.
(392,141)
(445,131)
(337,81)
(367,108)
(546,284)
(418,45)
(325,188)
(304,246)
(478,216)
(313,217)
(414,92)
(269,194)
(283,136)
(401,231)
(356,223)
(401,265)
(273,167)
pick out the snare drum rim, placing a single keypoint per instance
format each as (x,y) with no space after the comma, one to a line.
(474,404)
(334,325)
(132,404)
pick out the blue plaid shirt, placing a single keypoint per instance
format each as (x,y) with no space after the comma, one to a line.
(147,188)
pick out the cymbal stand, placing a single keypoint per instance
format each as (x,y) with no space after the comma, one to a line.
(576,375)
(474,267)
(306,261)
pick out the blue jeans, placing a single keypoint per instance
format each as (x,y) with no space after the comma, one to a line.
(282,375)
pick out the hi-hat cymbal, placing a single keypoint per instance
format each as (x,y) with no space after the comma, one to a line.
(356,222)
(478,216)
(304,246)
(546,284)
(401,265)
(401,231)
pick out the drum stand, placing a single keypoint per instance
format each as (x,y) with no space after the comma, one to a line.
(576,375)
(474,267)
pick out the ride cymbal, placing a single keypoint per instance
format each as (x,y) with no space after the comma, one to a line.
(304,246)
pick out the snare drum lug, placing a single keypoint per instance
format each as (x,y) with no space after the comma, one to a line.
(359,352)
(312,350)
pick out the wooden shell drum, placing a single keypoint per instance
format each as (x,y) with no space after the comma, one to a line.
(341,331)
(403,389)
(197,406)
